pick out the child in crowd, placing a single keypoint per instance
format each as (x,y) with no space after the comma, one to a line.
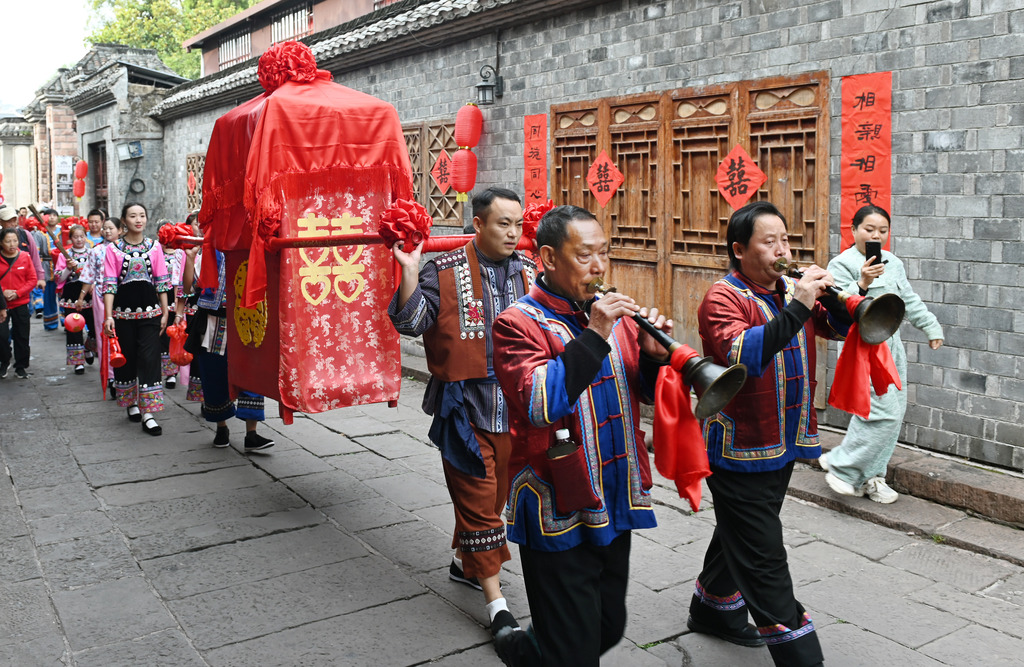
(857,466)
(17,279)
(75,298)
(135,287)
(92,275)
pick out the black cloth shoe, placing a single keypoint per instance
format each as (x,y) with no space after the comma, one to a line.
(150,426)
(134,414)
(171,382)
(455,574)
(3,370)
(515,647)
(255,442)
(110,389)
(89,357)
(79,369)
(21,373)
(503,620)
(748,636)
(222,438)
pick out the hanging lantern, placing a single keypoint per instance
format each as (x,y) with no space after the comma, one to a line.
(79,188)
(463,173)
(469,122)
(81,169)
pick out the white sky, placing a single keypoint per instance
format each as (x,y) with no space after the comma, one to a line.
(39,36)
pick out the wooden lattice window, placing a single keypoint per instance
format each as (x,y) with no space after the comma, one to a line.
(425,142)
(666,223)
(195,164)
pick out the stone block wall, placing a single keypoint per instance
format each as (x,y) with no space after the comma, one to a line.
(958,144)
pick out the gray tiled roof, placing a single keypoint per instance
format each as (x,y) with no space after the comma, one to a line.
(388,23)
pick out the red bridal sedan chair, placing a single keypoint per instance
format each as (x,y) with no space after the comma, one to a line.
(286,174)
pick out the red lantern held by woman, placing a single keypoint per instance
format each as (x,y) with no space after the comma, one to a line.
(469,122)
(74,322)
(79,188)
(81,169)
(463,172)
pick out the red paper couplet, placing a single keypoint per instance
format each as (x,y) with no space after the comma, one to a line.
(865,165)
(738,177)
(535,158)
(604,178)
(442,172)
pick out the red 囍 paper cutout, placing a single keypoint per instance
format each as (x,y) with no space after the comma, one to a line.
(738,177)
(442,172)
(604,178)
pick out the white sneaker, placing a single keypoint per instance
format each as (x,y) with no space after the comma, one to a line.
(843,488)
(823,461)
(877,490)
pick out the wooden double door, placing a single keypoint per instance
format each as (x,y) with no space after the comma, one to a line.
(667,221)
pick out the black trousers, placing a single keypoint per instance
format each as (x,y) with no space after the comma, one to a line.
(139,379)
(577,600)
(746,569)
(16,326)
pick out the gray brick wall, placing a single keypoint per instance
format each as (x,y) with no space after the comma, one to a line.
(958,145)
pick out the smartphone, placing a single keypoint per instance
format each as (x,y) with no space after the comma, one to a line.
(873,249)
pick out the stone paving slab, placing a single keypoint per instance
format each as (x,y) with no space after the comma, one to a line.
(844,531)
(291,463)
(985,537)
(181,486)
(68,498)
(323,489)
(979,608)
(18,560)
(418,546)
(393,445)
(224,566)
(364,465)
(88,560)
(65,527)
(167,647)
(846,645)
(360,515)
(97,450)
(258,608)
(407,632)
(44,469)
(317,438)
(410,491)
(214,533)
(975,645)
(150,468)
(25,613)
(964,570)
(148,518)
(130,610)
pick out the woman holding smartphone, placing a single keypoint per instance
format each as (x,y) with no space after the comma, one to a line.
(857,466)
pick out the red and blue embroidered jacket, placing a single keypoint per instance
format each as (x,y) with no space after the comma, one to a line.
(771,421)
(556,373)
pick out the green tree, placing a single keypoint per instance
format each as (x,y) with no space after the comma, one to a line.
(162,25)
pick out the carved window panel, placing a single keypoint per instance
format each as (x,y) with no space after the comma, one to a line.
(574,139)
(425,141)
(195,165)
(633,147)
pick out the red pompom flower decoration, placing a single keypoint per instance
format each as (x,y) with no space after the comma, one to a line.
(170,236)
(405,221)
(531,218)
(287,61)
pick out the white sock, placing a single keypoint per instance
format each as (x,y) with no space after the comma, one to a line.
(494,607)
(457,561)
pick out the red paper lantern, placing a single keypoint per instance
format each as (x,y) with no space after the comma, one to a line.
(74,322)
(79,187)
(81,169)
(469,122)
(463,172)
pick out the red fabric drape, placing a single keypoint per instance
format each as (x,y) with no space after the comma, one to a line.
(860,368)
(314,137)
(679,452)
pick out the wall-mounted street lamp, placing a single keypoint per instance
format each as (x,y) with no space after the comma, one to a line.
(487,90)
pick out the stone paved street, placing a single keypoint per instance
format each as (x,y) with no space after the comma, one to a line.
(117,548)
